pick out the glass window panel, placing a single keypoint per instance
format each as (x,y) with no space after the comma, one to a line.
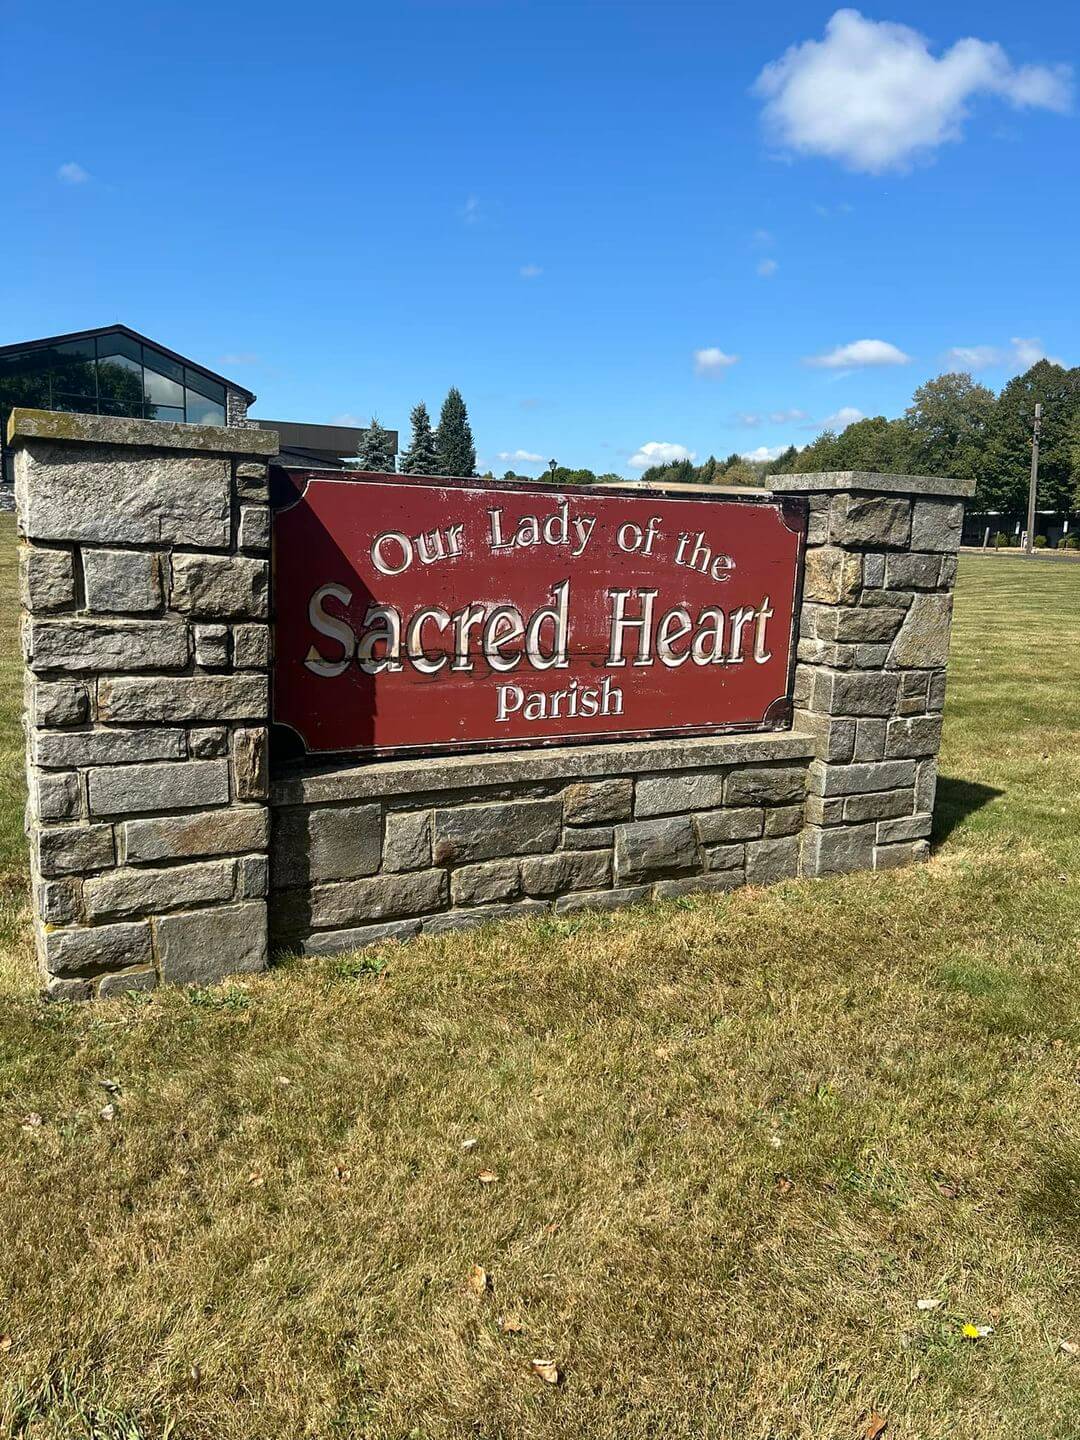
(120,386)
(162,364)
(206,387)
(76,349)
(160,389)
(201,411)
(165,412)
(117,344)
(81,404)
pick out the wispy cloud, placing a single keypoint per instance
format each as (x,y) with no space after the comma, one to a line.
(238,357)
(767,268)
(659,452)
(72,173)
(840,419)
(871,95)
(858,354)
(713,361)
(471,212)
(752,419)
(530,272)
(1020,354)
(524,455)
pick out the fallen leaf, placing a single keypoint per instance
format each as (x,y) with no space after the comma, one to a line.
(550,1227)
(108,1112)
(1069,1347)
(341,1173)
(196,1374)
(784,1184)
(5,1344)
(949,1191)
(874,1427)
(927,1304)
(478,1282)
(547,1370)
(976,1332)
(470,1144)
(33,1121)
(282,1080)
(256,1178)
(510,1325)
(487,1177)
(112,1087)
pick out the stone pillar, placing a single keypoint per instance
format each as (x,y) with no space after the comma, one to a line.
(873,644)
(144,576)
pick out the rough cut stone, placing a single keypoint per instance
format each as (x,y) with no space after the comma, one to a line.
(566,870)
(832,576)
(75,849)
(872,624)
(131,789)
(117,495)
(58,902)
(891,857)
(186,837)
(717,827)
(208,743)
(765,785)
(105,747)
(935,698)
(67,990)
(251,764)
(220,586)
(874,571)
(854,694)
(488,832)
(104,947)
(698,885)
(820,811)
(480,884)
(768,861)
(875,521)
(101,645)
(251,647)
(56,795)
(725,857)
(254,527)
(936,525)
(834,737)
(925,785)
(483,915)
(383,897)
(859,779)
(212,646)
(914,737)
(128,982)
(877,805)
(786,820)
(592,837)
(340,942)
(313,845)
(202,946)
(598,802)
(838,850)
(184,699)
(913,571)
(674,794)
(407,843)
(253,877)
(870,739)
(46,578)
(910,827)
(601,899)
(923,641)
(650,848)
(126,582)
(59,704)
(125,891)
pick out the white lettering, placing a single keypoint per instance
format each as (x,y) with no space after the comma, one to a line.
(333,628)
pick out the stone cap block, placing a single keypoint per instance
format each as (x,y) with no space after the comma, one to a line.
(156,434)
(831,480)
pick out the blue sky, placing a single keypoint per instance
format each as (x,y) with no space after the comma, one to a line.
(593,218)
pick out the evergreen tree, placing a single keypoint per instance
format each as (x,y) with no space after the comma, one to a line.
(421,458)
(454,439)
(376,449)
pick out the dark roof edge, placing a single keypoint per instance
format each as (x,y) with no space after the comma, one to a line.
(133,335)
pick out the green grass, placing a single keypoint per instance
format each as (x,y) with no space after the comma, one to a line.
(735,1140)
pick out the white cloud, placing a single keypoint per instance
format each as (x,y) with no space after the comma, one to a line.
(659,452)
(765,452)
(1021,356)
(871,95)
(72,174)
(530,272)
(713,361)
(752,419)
(767,268)
(239,357)
(525,455)
(1027,352)
(859,353)
(841,419)
(471,212)
(348,419)
(975,357)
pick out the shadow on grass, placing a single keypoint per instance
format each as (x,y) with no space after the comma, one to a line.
(1052,1203)
(956,800)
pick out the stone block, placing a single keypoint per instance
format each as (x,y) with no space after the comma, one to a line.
(914,737)
(936,525)
(720,881)
(876,522)
(786,820)
(566,870)
(824,652)
(183,700)
(870,657)
(325,843)
(103,947)
(46,578)
(251,763)
(923,641)
(837,851)
(925,786)
(892,857)
(253,877)
(914,571)
(489,832)
(870,737)
(209,743)
(251,647)
(947,578)
(914,686)
(834,737)
(340,942)
(592,837)
(598,802)
(251,476)
(212,646)
(483,915)
(832,576)
(817,520)
(725,857)
(673,794)
(874,571)
(133,789)
(765,785)
(122,582)
(854,694)
(59,704)
(935,698)
(220,586)
(720,827)
(382,897)
(128,982)
(70,991)
(123,495)
(74,849)
(103,645)
(55,795)
(907,828)
(651,848)
(820,811)
(254,533)
(407,841)
(768,861)
(58,902)
(200,947)
(74,748)
(860,778)
(119,893)
(877,805)
(481,884)
(601,899)
(187,837)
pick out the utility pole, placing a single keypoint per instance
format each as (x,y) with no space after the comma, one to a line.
(1033,488)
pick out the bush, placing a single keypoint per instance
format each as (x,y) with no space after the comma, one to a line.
(1001,540)
(1071,542)
(1039,542)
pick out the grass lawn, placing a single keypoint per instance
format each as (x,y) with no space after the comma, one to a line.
(710,1155)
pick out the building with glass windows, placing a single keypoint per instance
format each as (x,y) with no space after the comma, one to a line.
(117,371)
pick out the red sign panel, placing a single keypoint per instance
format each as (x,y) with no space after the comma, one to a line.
(429,614)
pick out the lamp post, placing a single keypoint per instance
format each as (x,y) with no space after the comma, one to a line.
(1034,485)
(552,466)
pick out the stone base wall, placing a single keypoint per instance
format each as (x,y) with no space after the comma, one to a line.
(397,848)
